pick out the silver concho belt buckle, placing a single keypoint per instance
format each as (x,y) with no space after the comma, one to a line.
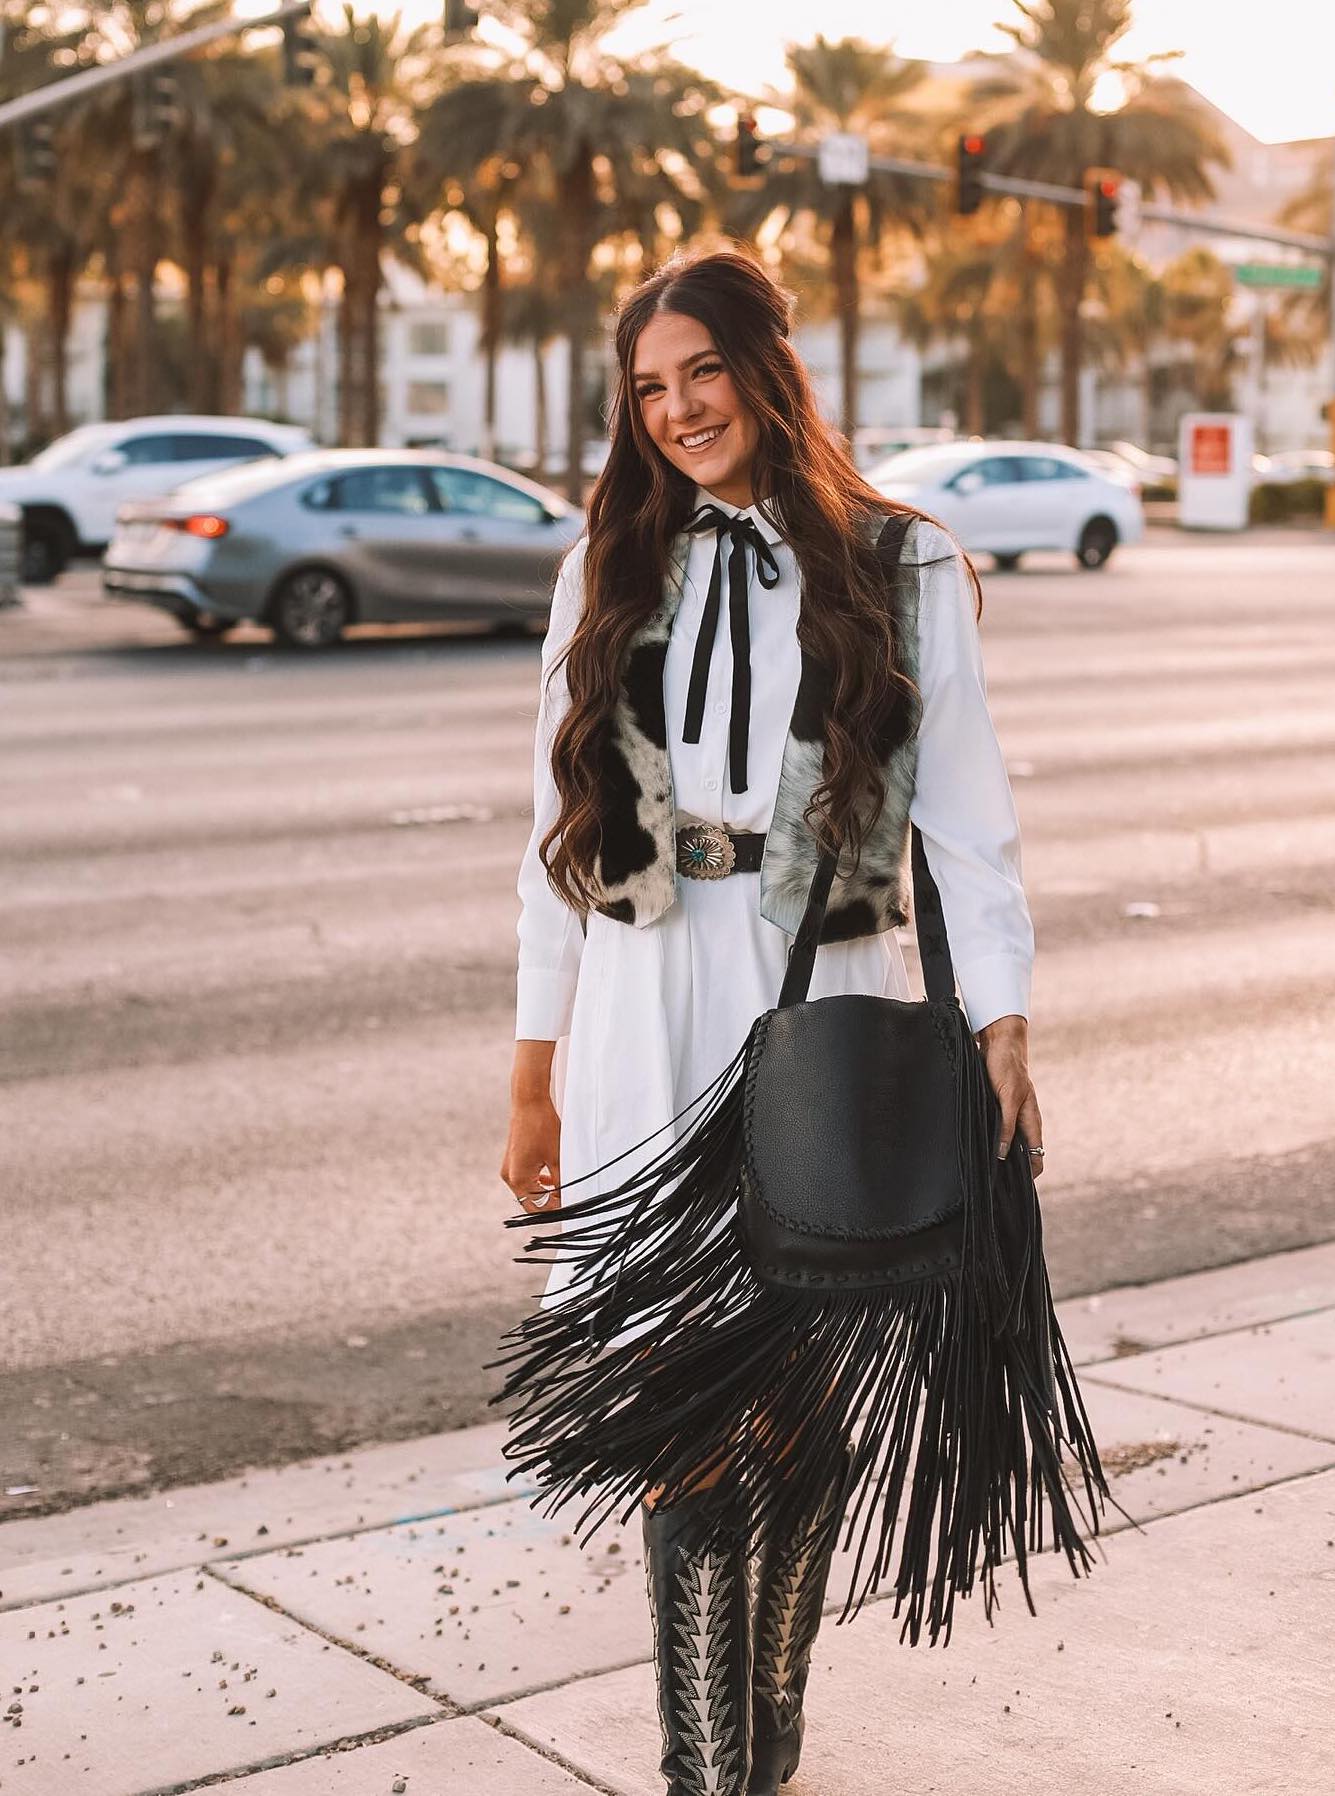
(704,851)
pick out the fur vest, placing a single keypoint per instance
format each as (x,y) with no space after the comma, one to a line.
(637,874)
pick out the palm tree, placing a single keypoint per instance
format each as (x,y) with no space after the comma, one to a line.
(845,85)
(45,242)
(960,299)
(381,78)
(1042,124)
(617,141)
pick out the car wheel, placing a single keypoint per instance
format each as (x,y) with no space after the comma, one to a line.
(207,627)
(311,609)
(1006,564)
(1098,539)
(46,551)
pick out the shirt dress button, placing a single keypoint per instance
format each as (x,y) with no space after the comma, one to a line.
(711,785)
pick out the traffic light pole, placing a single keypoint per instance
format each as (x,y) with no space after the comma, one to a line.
(170,49)
(1058,195)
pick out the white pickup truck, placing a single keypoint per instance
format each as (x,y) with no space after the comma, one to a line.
(70,492)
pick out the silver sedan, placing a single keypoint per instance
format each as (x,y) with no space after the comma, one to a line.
(318,541)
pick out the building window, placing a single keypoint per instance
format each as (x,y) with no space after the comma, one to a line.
(428,398)
(428,336)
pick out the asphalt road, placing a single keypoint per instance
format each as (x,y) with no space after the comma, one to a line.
(257,926)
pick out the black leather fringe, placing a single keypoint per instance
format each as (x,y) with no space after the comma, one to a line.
(668,1358)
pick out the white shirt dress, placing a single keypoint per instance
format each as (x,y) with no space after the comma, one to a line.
(645,1018)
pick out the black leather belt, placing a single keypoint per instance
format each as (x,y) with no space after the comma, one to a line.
(712,850)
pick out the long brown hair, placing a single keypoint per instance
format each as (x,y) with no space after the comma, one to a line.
(807,485)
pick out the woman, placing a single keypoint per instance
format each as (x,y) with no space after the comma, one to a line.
(727,686)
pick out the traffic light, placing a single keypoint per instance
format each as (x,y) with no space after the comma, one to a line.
(970,163)
(460,18)
(157,108)
(751,153)
(164,104)
(301,53)
(1103,188)
(35,153)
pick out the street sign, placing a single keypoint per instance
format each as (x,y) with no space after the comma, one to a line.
(844,159)
(1278,274)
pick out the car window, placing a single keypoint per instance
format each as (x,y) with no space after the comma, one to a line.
(1049,467)
(145,451)
(464,490)
(988,471)
(212,446)
(1001,470)
(399,490)
(321,495)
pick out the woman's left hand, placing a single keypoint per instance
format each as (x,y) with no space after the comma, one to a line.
(1005,1045)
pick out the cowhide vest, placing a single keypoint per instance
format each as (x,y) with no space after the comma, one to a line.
(637,868)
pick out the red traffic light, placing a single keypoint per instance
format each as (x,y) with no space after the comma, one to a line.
(749,153)
(970,162)
(1103,187)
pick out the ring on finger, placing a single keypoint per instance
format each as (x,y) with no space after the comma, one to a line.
(1035,1153)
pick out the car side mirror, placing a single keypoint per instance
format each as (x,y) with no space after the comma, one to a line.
(110,461)
(965,484)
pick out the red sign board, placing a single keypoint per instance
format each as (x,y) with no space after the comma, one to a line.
(1211,449)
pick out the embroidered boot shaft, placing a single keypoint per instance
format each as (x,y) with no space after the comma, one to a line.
(699,1602)
(790,1580)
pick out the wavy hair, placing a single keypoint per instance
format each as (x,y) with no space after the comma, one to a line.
(806,484)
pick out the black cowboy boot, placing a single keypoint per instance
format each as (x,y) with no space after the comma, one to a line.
(790,1580)
(699,1600)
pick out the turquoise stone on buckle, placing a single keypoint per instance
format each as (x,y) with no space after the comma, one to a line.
(705,851)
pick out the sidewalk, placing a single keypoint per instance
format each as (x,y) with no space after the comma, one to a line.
(399,1620)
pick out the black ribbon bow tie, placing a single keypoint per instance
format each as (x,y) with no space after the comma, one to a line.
(740,532)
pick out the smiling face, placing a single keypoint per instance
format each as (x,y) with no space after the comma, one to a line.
(692,411)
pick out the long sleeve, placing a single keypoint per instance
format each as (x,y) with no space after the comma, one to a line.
(551,939)
(963,803)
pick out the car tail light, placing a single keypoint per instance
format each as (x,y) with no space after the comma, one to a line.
(206,524)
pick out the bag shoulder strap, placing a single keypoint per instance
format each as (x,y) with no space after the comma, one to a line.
(928,917)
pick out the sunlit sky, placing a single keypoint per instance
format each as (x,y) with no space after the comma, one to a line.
(1272,68)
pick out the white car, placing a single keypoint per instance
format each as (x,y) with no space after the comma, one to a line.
(1005,498)
(70,492)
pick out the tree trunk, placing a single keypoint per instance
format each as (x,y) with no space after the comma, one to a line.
(1030,352)
(5,425)
(539,411)
(344,331)
(578,202)
(361,352)
(844,264)
(60,277)
(194,232)
(144,213)
(975,369)
(117,341)
(1074,272)
(229,347)
(491,336)
(34,407)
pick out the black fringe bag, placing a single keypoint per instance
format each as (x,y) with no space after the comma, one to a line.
(833,1241)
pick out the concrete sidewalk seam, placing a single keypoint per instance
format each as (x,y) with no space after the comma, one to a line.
(1211,1334)
(299,1755)
(418,1681)
(238,1555)
(543,1751)
(1207,1409)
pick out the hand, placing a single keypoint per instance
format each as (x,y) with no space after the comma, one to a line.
(532,1151)
(1005,1045)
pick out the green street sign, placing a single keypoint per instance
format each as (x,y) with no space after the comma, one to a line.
(1278,274)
